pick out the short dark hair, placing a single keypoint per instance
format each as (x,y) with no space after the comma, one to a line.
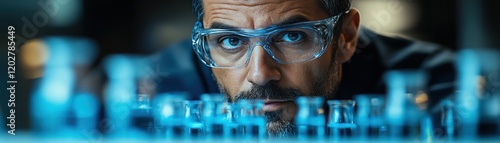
(332,7)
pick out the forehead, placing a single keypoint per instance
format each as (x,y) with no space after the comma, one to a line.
(254,14)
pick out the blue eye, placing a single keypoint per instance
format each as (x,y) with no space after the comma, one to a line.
(292,37)
(231,43)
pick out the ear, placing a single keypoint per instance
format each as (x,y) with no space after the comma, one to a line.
(348,37)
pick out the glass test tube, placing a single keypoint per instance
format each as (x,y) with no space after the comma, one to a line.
(403,87)
(51,98)
(211,114)
(227,119)
(251,120)
(120,92)
(370,116)
(192,118)
(142,116)
(448,118)
(169,114)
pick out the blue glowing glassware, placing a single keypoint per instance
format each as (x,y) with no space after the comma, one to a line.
(251,120)
(310,118)
(193,120)
(211,114)
(341,119)
(169,115)
(370,116)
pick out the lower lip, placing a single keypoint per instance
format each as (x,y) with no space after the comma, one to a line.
(272,106)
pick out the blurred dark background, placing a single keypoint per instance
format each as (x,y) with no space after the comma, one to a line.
(130,26)
(146,27)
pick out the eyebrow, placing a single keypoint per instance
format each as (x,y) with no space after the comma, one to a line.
(290,20)
(218,25)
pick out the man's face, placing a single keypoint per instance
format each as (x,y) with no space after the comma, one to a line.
(263,78)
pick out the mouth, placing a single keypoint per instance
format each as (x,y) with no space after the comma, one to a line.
(273,105)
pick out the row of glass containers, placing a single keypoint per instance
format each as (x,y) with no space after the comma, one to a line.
(172,116)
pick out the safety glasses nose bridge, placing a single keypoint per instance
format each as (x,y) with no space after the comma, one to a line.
(262,41)
(265,45)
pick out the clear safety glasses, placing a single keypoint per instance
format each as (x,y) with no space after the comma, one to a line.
(286,44)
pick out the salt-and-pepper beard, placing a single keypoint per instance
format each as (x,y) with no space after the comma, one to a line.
(324,85)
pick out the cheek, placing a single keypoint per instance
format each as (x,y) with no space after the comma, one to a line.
(300,76)
(230,79)
(304,75)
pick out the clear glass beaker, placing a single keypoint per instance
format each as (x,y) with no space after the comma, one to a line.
(310,118)
(341,119)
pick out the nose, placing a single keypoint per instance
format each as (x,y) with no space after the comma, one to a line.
(262,68)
